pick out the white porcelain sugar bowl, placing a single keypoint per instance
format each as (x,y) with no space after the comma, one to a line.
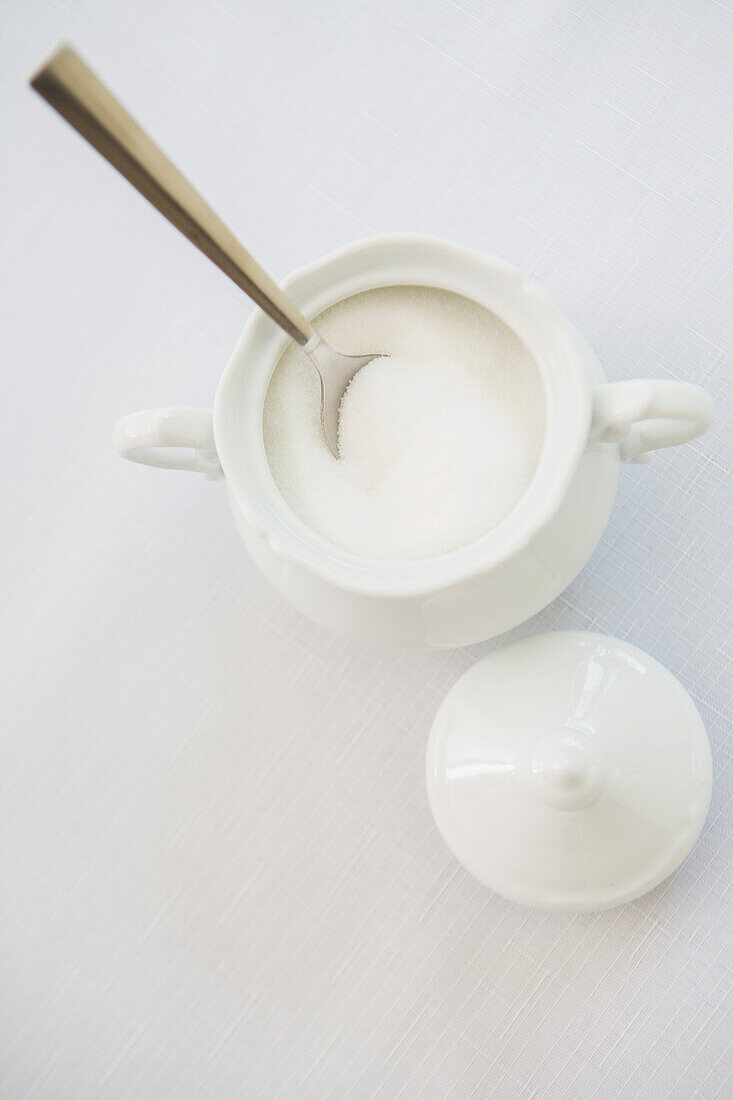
(569,771)
(517,568)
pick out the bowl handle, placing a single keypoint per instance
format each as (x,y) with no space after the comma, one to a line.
(646,414)
(176,439)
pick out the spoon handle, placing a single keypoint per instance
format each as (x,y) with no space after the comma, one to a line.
(74,91)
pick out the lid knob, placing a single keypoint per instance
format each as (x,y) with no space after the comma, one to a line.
(566,769)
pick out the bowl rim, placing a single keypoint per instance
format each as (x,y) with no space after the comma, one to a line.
(389,260)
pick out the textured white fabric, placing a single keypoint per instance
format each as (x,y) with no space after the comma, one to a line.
(220,877)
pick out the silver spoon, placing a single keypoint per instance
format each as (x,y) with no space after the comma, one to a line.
(74,91)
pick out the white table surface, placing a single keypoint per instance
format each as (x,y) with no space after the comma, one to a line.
(220,877)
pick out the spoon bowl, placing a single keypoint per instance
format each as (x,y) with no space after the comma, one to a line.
(335,371)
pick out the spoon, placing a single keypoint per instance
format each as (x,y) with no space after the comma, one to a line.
(74,91)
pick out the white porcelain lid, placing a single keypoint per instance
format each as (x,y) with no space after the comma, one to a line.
(569,771)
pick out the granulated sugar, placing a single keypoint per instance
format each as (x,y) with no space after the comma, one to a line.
(438,442)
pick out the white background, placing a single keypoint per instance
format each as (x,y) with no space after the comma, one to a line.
(220,877)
